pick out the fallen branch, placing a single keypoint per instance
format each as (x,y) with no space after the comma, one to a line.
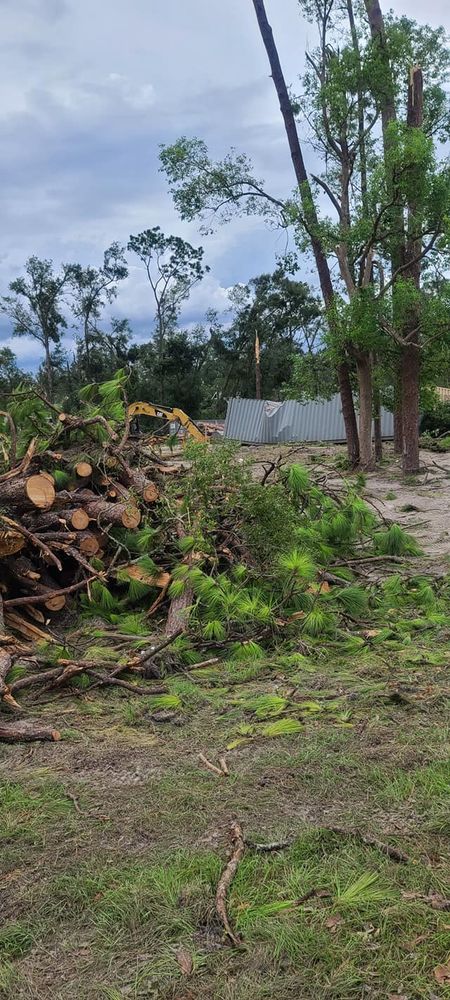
(33,539)
(276,845)
(391,852)
(109,679)
(45,597)
(238,846)
(220,771)
(149,654)
(205,663)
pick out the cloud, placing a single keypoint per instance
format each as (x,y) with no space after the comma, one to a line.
(90,90)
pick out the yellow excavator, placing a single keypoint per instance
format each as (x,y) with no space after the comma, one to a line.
(153,410)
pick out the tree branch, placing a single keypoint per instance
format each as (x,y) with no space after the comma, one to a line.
(328,191)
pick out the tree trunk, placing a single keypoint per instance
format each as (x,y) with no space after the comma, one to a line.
(48,369)
(411,351)
(348,413)
(395,216)
(27,732)
(377,435)
(58,520)
(364,370)
(398,410)
(258,393)
(310,214)
(410,395)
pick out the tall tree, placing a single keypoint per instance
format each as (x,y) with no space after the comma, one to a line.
(93,288)
(173,267)
(35,307)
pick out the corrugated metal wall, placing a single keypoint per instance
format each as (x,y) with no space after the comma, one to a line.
(259,421)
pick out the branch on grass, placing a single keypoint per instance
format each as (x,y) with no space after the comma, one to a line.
(238,850)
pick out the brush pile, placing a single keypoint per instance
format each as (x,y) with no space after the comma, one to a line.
(118,566)
(65,504)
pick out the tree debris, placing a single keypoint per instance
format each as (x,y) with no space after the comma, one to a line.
(238,850)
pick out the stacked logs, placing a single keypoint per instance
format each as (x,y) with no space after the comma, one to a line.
(49,535)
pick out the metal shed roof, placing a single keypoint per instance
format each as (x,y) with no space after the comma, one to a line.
(259,421)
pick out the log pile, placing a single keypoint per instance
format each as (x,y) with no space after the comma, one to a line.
(59,513)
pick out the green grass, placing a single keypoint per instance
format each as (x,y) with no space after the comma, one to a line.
(103,897)
(27,813)
(155,908)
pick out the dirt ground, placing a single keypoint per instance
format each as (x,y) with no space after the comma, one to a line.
(113,840)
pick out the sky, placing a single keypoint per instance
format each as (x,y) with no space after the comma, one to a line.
(90,88)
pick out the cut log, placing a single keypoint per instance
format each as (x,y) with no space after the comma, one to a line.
(27,732)
(10,542)
(135,572)
(39,584)
(57,520)
(87,543)
(136,479)
(33,539)
(103,512)
(77,518)
(84,470)
(40,490)
(26,493)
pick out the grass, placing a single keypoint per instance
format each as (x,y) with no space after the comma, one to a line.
(101,891)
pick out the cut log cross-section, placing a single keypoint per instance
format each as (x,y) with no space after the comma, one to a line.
(10,542)
(27,493)
(39,584)
(88,543)
(83,470)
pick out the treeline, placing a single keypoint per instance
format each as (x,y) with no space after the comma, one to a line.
(197,368)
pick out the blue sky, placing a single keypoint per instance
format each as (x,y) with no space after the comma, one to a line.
(90,89)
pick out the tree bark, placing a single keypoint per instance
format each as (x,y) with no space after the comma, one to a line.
(57,520)
(113,513)
(377,431)
(395,217)
(27,494)
(310,217)
(258,389)
(411,352)
(364,370)
(398,410)
(48,369)
(27,732)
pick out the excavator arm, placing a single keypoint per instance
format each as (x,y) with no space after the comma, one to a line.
(153,410)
